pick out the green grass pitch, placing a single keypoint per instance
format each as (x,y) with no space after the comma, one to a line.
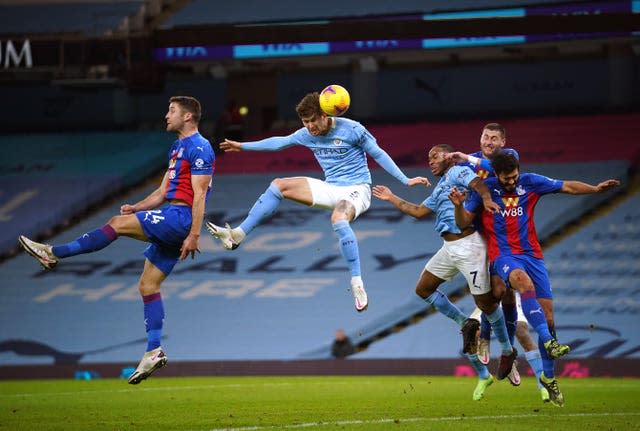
(315,403)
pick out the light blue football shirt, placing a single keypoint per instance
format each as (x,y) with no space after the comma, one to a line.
(341,153)
(439,202)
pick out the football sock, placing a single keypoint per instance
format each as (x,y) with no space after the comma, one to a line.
(263,208)
(547,363)
(153,319)
(440,302)
(500,330)
(89,242)
(535,362)
(348,246)
(481,369)
(485,327)
(535,316)
(511,321)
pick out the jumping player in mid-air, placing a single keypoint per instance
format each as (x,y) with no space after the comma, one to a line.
(340,146)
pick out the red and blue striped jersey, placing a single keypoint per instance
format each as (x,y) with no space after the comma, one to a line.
(512,230)
(192,155)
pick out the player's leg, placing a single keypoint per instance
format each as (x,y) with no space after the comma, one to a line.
(438,270)
(510,312)
(149,288)
(166,233)
(295,188)
(342,215)
(97,239)
(498,288)
(472,264)
(346,203)
(540,278)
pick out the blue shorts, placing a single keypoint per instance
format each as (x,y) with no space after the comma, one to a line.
(166,229)
(534,268)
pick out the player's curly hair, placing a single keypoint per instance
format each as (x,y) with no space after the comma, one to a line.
(189,104)
(309,106)
(503,162)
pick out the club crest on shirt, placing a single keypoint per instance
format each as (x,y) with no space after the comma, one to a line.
(180,151)
(337,141)
(520,191)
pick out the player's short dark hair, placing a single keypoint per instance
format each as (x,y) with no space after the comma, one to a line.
(309,106)
(495,127)
(504,162)
(445,147)
(189,104)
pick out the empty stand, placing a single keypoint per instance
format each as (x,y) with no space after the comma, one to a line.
(52,178)
(281,295)
(538,140)
(86,18)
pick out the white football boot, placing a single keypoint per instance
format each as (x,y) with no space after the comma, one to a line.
(359,294)
(150,362)
(224,234)
(42,252)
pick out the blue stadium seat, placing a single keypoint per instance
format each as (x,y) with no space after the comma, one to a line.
(280,296)
(56,176)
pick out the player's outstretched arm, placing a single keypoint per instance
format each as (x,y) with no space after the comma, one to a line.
(580,188)
(457,157)
(274,143)
(418,181)
(230,146)
(416,211)
(464,218)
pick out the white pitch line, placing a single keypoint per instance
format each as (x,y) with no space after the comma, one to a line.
(423,419)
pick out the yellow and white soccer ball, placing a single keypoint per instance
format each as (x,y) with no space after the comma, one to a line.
(335,100)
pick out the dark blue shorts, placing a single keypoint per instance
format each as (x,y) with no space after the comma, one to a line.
(166,229)
(534,268)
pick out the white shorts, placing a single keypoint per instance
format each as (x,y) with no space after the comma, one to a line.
(467,256)
(521,318)
(327,196)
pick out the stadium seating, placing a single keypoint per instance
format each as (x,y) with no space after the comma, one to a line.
(55,177)
(281,295)
(90,18)
(564,139)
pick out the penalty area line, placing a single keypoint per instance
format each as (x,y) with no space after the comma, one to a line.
(416,419)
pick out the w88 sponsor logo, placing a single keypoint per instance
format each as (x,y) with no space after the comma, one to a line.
(512,212)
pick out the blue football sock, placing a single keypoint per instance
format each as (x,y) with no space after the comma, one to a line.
(548,364)
(511,321)
(153,319)
(440,302)
(348,246)
(535,362)
(89,242)
(485,327)
(500,330)
(481,369)
(535,316)
(263,208)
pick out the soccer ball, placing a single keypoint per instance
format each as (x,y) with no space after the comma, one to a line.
(334,100)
